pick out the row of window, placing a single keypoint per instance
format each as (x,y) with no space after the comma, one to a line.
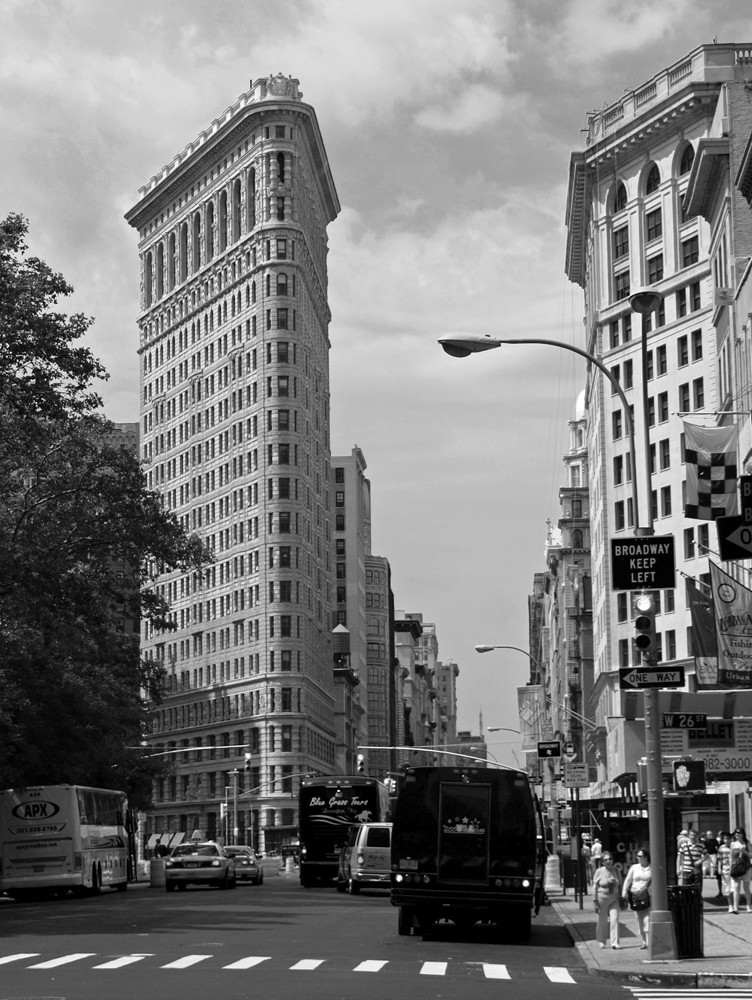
(691,396)
(650,181)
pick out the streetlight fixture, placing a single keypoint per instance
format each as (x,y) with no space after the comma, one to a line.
(661,940)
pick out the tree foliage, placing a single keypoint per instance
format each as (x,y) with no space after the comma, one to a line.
(81,540)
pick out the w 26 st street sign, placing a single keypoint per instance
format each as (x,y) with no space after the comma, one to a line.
(643,563)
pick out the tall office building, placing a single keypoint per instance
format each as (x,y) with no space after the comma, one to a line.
(235,435)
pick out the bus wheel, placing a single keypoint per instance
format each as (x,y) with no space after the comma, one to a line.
(405,921)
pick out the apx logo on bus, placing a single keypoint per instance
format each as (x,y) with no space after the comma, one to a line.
(38,809)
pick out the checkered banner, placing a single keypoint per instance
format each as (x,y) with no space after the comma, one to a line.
(710,455)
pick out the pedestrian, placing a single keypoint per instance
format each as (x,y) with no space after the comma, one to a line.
(596,850)
(718,874)
(723,869)
(690,859)
(710,844)
(636,890)
(586,855)
(606,895)
(739,869)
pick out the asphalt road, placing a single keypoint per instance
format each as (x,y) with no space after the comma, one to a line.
(276,941)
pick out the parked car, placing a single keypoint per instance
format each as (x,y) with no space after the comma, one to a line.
(247,865)
(365,860)
(204,863)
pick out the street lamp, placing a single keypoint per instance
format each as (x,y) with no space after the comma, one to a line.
(661,941)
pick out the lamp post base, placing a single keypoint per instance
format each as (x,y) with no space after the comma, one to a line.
(661,936)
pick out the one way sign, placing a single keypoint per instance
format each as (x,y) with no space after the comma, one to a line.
(631,678)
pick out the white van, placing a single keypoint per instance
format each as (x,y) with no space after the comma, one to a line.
(365,861)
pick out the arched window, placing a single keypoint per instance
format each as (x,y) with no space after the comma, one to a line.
(687,159)
(653,180)
(576,539)
(222,220)
(282,284)
(160,270)
(236,211)
(196,242)
(183,271)
(619,199)
(251,198)
(210,231)
(171,262)
(148,279)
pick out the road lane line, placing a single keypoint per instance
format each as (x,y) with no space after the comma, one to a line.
(557,974)
(370,965)
(64,960)
(19,957)
(186,962)
(248,963)
(491,971)
(307,964)
(434,969)
(118,963)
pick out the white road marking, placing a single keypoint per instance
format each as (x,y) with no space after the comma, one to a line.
(557,974)
(248,963)
(63,960)
(370,965)
(19,957)
(307,964)
(433,969)
(118,963)
(186,962)
(495,971)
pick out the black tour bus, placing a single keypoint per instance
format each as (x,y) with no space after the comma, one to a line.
(467,845)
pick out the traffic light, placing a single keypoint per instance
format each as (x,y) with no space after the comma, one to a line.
(247,762)
(644,607)
(361,764)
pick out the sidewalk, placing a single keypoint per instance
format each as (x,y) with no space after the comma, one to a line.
(727,947)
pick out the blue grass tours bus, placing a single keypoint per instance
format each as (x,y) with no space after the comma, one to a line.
(59,837)
(467,845)
(329,805)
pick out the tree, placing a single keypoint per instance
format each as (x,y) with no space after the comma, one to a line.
(81,541)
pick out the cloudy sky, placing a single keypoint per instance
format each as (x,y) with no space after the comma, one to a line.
(448,125)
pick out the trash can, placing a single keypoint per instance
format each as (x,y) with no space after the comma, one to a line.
(685,904)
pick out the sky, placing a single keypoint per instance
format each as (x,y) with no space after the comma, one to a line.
(448,125)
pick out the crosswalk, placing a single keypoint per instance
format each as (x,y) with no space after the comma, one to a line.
(92,960)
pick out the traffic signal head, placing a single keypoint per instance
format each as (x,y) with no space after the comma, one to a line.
(644,607)
(361,764)
(247,762)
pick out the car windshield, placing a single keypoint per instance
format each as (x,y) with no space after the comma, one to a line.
(204,849)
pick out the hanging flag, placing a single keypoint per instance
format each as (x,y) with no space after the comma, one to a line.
(733,621)
(704,639)
(531,703)
(710,456)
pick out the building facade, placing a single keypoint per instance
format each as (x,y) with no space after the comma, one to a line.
(234,390)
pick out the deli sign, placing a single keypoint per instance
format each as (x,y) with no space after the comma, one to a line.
(643,563)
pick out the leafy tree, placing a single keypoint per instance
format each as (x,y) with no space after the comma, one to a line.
(81,541)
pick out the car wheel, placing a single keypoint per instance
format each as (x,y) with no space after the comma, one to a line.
(170,886)
(182,886)
(353,887)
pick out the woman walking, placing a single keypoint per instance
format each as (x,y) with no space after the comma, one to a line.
(636,890)
(723,869)
(739,869)
(606,891)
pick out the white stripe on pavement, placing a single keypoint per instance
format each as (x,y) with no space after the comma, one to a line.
(186,962)
(118,963)
(248,963)
(64,960)
(307,964)
(370,965)
(495,971)
(17,958)
(433,969)
(557,974)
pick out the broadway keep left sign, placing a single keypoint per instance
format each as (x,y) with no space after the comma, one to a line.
(647,563)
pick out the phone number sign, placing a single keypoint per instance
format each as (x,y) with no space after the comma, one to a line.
(725,746)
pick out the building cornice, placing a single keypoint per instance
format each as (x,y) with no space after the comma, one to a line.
(711,160)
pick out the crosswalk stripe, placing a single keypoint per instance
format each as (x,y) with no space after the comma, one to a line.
(248,963)
(63,960)
(118,963)
(557,974)
(186,962)
(307,964)
(495,971)
(19,957)
(370,965)
(433,969)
